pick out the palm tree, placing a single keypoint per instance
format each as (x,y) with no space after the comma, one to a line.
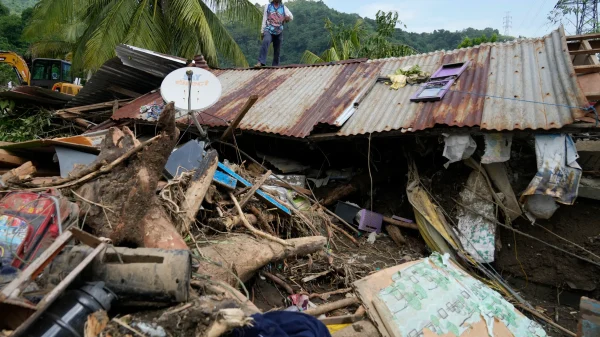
(91,29)
(345,43)
(350,43)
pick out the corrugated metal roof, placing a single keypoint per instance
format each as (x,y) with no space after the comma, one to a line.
(149,61)
(291,100)
(488,94)
(114,73)
(135,69)
(133,108)
(495,92)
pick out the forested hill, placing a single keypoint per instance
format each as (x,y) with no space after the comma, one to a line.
(307,32)
(17,6)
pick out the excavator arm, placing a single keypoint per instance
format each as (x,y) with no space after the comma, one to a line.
(18,64)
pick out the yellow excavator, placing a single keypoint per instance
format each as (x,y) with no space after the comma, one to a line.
(47,73)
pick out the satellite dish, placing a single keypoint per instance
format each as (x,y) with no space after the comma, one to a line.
(206,89)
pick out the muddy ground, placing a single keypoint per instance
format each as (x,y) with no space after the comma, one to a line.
(550,278)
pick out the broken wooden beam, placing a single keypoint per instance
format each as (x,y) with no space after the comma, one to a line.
(229,222)
(400,223)
(229,131)
(11,159)
(254,188)
(338,193)
(325,308)
(265,197)
(201,180)
(19,173)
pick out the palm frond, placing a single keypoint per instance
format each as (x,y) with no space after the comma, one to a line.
(243,12)
(330,55)
(188,17)
(50,16)
(225,44)
(51,49)
(108,33)
(309,57)
(147,30)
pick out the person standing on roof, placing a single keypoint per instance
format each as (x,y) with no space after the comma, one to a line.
(274,16)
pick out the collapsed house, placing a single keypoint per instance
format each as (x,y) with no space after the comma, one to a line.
(470,154)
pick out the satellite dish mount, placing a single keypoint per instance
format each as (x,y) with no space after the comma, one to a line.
(191,90)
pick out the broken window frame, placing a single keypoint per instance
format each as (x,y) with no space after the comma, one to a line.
(443,78)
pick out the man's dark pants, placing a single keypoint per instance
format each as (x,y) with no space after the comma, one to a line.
(264,49)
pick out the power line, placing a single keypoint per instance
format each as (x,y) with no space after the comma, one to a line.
(532,21)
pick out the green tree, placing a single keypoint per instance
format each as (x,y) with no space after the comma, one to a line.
(467,42)
(11,28)
(348,43)
(92,29)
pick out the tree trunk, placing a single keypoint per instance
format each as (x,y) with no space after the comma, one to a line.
(244,255)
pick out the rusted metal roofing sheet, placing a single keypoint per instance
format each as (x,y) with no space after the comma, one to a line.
(132,110)
(525,84)
(291,100)
(495,92)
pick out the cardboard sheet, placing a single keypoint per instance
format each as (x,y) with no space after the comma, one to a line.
(434,297)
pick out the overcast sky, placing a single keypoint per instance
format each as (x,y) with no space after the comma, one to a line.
(529,17)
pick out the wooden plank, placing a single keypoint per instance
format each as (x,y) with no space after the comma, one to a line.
(591,59)
(239,117)
(400,223)
(37,266)
(583,37)
(587,69)
(584,51)
(59,289)
(10,159)
(265,197)
(85,237)
(593,96)
(254,188)
(224,180)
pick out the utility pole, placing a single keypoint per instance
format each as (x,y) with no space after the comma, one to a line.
(507,24)
(586,14)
